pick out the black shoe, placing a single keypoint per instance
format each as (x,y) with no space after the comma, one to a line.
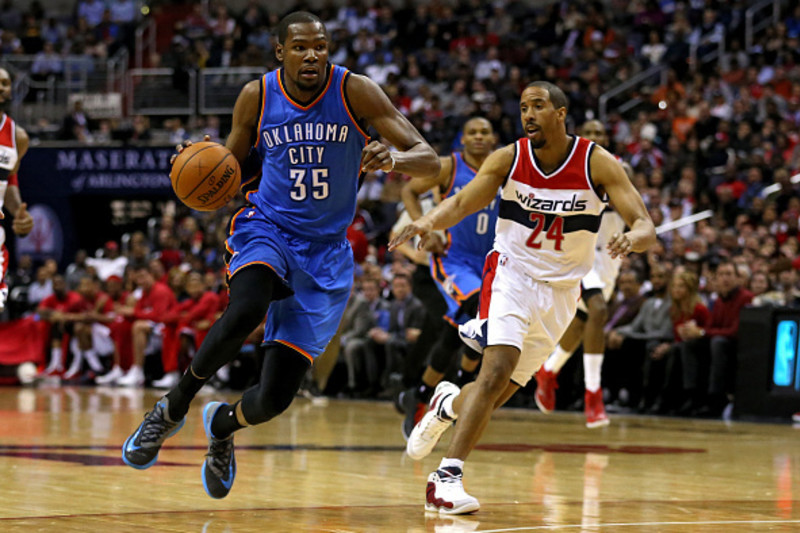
(219,468)
(413,410)
(141,448)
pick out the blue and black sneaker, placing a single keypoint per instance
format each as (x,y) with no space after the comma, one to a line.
(141,448)
(219,468)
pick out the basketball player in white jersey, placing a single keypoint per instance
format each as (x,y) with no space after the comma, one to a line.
(554,189)
(596,289)
(13,145)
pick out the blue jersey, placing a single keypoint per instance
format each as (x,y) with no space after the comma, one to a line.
(311,158)
(473,237)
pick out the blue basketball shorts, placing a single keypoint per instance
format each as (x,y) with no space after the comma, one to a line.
(457,278)
(317,275)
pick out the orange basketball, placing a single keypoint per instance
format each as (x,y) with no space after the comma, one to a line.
(205,176)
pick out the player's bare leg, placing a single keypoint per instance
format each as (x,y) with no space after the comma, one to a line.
(474,405)
(135,375)
(547,377)
(593,351)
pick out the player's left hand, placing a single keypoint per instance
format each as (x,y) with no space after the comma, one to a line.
(23,221)
(619,245)
(376,156)
(420,227)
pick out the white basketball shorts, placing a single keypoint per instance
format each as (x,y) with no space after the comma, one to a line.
(517,310)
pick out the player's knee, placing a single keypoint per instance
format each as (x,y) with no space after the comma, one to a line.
(273,402)
(244,315)
(598,310)
(494,378)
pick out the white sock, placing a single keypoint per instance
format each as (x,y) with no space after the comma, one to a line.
(55,359)
(447,461)
(557,360)
(592,363)
(92,359)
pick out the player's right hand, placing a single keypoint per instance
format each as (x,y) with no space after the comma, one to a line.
(421,227)
(436,244)
(182,146)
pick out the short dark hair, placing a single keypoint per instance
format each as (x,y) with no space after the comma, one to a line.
(557,96)
(476,117)
(402,275)
(298,17)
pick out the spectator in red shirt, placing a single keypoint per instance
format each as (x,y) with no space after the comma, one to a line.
(52,310)
(183,325)
(148,316)
(719,340)
(120,329)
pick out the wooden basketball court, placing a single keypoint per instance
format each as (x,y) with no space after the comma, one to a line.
(341,468)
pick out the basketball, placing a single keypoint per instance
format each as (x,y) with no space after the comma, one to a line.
(205,176)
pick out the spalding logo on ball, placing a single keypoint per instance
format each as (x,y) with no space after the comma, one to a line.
(205,176)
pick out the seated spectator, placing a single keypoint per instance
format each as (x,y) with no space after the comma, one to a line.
(719,340)
(121,300)
(76,270)
(365,310)
(111,263)
(47,63)
(686,308)
(41,288)
(92,11)
(406,318)
(651,327)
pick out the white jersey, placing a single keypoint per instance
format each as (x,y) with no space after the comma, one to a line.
(8,146)
(549,222)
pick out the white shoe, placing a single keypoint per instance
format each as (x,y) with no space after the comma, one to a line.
(134,377)
(445,493)
(169,380)
(111,377)
(429,430)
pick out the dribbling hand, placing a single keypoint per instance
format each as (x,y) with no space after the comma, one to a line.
(185,144)
(619,245)
(376,156)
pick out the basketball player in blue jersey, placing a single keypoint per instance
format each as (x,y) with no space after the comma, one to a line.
(554,189)
(596,289)
(287,252)
(456,265)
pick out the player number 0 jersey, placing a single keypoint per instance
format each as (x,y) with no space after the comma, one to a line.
(548,222)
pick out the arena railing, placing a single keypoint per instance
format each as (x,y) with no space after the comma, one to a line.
(752,27)
(161,91)
(218,88)
(635,82)
(145,41)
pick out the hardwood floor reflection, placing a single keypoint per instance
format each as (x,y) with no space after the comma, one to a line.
(341,468)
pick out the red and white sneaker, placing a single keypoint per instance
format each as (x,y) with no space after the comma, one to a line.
(445,493)
(429,430)
(796,417)
(546,385)
(594,409)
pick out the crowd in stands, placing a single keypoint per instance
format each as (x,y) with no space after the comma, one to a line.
(720,135)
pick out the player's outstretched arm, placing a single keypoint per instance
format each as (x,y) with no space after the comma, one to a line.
(608,173)
(246,112)
(415,156)
(476,195)
(412,190)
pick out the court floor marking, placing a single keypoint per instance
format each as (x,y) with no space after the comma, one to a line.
(637,524)
(420,506)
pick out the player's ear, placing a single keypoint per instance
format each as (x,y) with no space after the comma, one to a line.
(279,52)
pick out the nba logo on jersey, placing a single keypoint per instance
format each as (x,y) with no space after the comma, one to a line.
(503,260)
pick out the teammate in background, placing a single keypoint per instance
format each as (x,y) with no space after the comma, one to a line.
(187,321)
(554,193)
(287,247)
(13,146)
(120,329)
(146,319)
(52,310)
(597,287)
(91,338)
(455,265)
